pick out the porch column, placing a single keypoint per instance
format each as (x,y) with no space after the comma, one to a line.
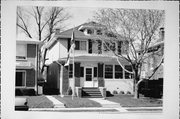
(77,74)
(100,75)
(65,80)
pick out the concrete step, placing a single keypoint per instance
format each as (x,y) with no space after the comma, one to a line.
(91,92)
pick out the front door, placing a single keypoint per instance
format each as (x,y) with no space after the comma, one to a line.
(88,77)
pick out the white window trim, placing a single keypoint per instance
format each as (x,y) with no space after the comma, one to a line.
(104,72)
(79,46)
(113,79)
(85,72)
(24,79)
(115,72)
(25,52)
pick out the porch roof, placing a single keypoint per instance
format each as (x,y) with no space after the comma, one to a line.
(95,58)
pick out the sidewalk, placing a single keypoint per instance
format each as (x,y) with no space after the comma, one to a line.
(56,103)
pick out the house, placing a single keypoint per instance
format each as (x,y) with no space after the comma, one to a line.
(94,64)
(26,65)
(153,87)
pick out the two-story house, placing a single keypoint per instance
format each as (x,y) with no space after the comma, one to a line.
(26,65)
(95,65)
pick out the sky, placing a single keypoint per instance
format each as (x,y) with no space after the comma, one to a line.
(80,15)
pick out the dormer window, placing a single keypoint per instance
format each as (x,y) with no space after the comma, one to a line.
(90,31)
(99,32)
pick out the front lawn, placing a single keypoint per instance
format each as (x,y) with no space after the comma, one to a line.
(130,101)
(77,102)
(39,102)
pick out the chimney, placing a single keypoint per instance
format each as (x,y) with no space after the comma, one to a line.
(57,31)
(161,34)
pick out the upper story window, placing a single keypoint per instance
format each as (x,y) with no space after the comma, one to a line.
(110,46)
(99,32)
(90,31)
(80,45)
(21,51)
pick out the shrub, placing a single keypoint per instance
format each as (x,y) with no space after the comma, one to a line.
(128,92)
(115,92)
(108,94)
(121,92)
(40,81)
(25,92)
(69,91)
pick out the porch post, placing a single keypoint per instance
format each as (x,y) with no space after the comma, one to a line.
(100,75)
(65,80)
(77,74)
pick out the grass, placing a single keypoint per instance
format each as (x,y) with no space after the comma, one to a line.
(77,102)
(39,102)
(130,101)
(123,100)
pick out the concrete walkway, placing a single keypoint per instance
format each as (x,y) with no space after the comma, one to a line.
(56,103)
(105,103)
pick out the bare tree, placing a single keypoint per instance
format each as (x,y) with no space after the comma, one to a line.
(42,20)
(139,29)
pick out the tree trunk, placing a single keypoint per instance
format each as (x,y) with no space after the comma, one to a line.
(136,91)
(43,61)
(136,86)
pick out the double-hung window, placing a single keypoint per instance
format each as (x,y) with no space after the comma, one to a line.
(70,70)
(21,51)
(118,72)
(20,78)
(109,71)
(80,45)
(127,74)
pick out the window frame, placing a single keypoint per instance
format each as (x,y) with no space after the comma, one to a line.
(70,71)
(25,73)
(108,71)
(118,72)
(91,31)
(99,32)
(79,41)
(125,73)
(25,52)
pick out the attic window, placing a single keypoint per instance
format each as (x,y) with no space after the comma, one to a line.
(99,32)
(90,31)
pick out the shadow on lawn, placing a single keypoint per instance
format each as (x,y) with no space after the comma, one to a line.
(130,101)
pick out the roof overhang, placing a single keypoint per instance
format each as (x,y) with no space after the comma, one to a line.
(24,65)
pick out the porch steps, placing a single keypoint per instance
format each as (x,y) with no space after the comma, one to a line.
(91,92)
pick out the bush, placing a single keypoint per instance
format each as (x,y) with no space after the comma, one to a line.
(128,92)
(69,91)
(40,81)
(25,92)
(108,94)
(115,92)
(121,92)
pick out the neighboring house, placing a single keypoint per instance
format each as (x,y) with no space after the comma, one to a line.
(154,86)
(155,54)
(26,65)
(95,65)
